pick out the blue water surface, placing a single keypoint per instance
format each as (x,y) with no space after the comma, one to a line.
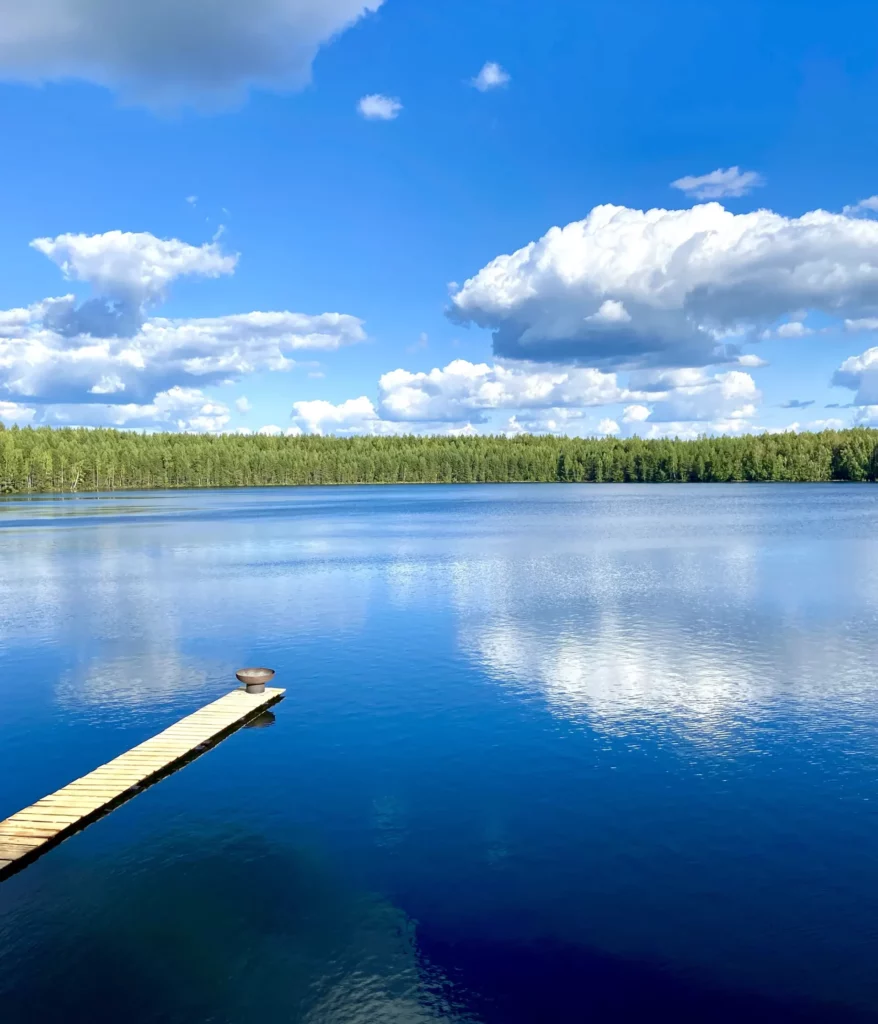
(548,753)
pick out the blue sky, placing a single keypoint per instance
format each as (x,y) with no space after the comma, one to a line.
(632,321)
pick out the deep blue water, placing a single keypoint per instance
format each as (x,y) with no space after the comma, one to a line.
(549,753)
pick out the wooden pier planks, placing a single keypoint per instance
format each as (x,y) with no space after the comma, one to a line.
(36,829)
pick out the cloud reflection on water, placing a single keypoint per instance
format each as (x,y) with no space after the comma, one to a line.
(690,641)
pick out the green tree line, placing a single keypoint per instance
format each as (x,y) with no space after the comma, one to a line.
(60,460)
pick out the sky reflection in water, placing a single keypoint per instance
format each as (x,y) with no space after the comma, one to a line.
(547,751)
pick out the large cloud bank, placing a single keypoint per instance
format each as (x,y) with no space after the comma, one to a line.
(540,399)
(165,51)
(628,288)
(121,364)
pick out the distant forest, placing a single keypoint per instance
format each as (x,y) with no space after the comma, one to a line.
(64,460)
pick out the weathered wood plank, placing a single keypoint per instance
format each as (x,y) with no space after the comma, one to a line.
(9,852)
(37,828)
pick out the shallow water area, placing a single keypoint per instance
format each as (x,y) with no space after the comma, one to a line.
(548,753)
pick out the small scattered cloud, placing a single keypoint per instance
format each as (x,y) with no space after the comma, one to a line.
(376,107)
(863,208)
(492,76)
(792,329)
(797,403)
(316,374)
(242,404)
(730,182)
(192,200)
(751,360)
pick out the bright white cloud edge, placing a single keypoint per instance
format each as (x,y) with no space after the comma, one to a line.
(108,361)
(492,76)
(376,107)
(730,182)
(626,288)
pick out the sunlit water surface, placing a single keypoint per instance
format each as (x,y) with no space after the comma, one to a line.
(549,753)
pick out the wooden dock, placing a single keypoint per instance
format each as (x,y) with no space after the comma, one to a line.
(35,830)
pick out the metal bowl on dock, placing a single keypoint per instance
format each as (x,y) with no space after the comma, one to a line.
(254,679)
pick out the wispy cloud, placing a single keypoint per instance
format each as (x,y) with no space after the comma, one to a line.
(422,343)
(864,206)
(719,184)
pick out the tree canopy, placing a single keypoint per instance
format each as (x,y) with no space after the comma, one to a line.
(59,460)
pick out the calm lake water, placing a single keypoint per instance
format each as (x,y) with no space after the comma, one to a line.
(548,753)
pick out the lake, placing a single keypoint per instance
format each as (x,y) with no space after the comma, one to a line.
(548,753)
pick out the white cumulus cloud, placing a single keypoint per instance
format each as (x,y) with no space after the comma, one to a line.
(732,395)
(864,206)
(15,412)
(719,184)
(635,414)
(867,416)
(55,352)
(692,283)
(547,421)
(793,329)
(693,403)
(46,365)
(492,76)
(355,416)
(178,409)
(138,265)
(867,323)
(164,52)
(560,400)
(468,391)
(611,311)
(860,374)
(376,107)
